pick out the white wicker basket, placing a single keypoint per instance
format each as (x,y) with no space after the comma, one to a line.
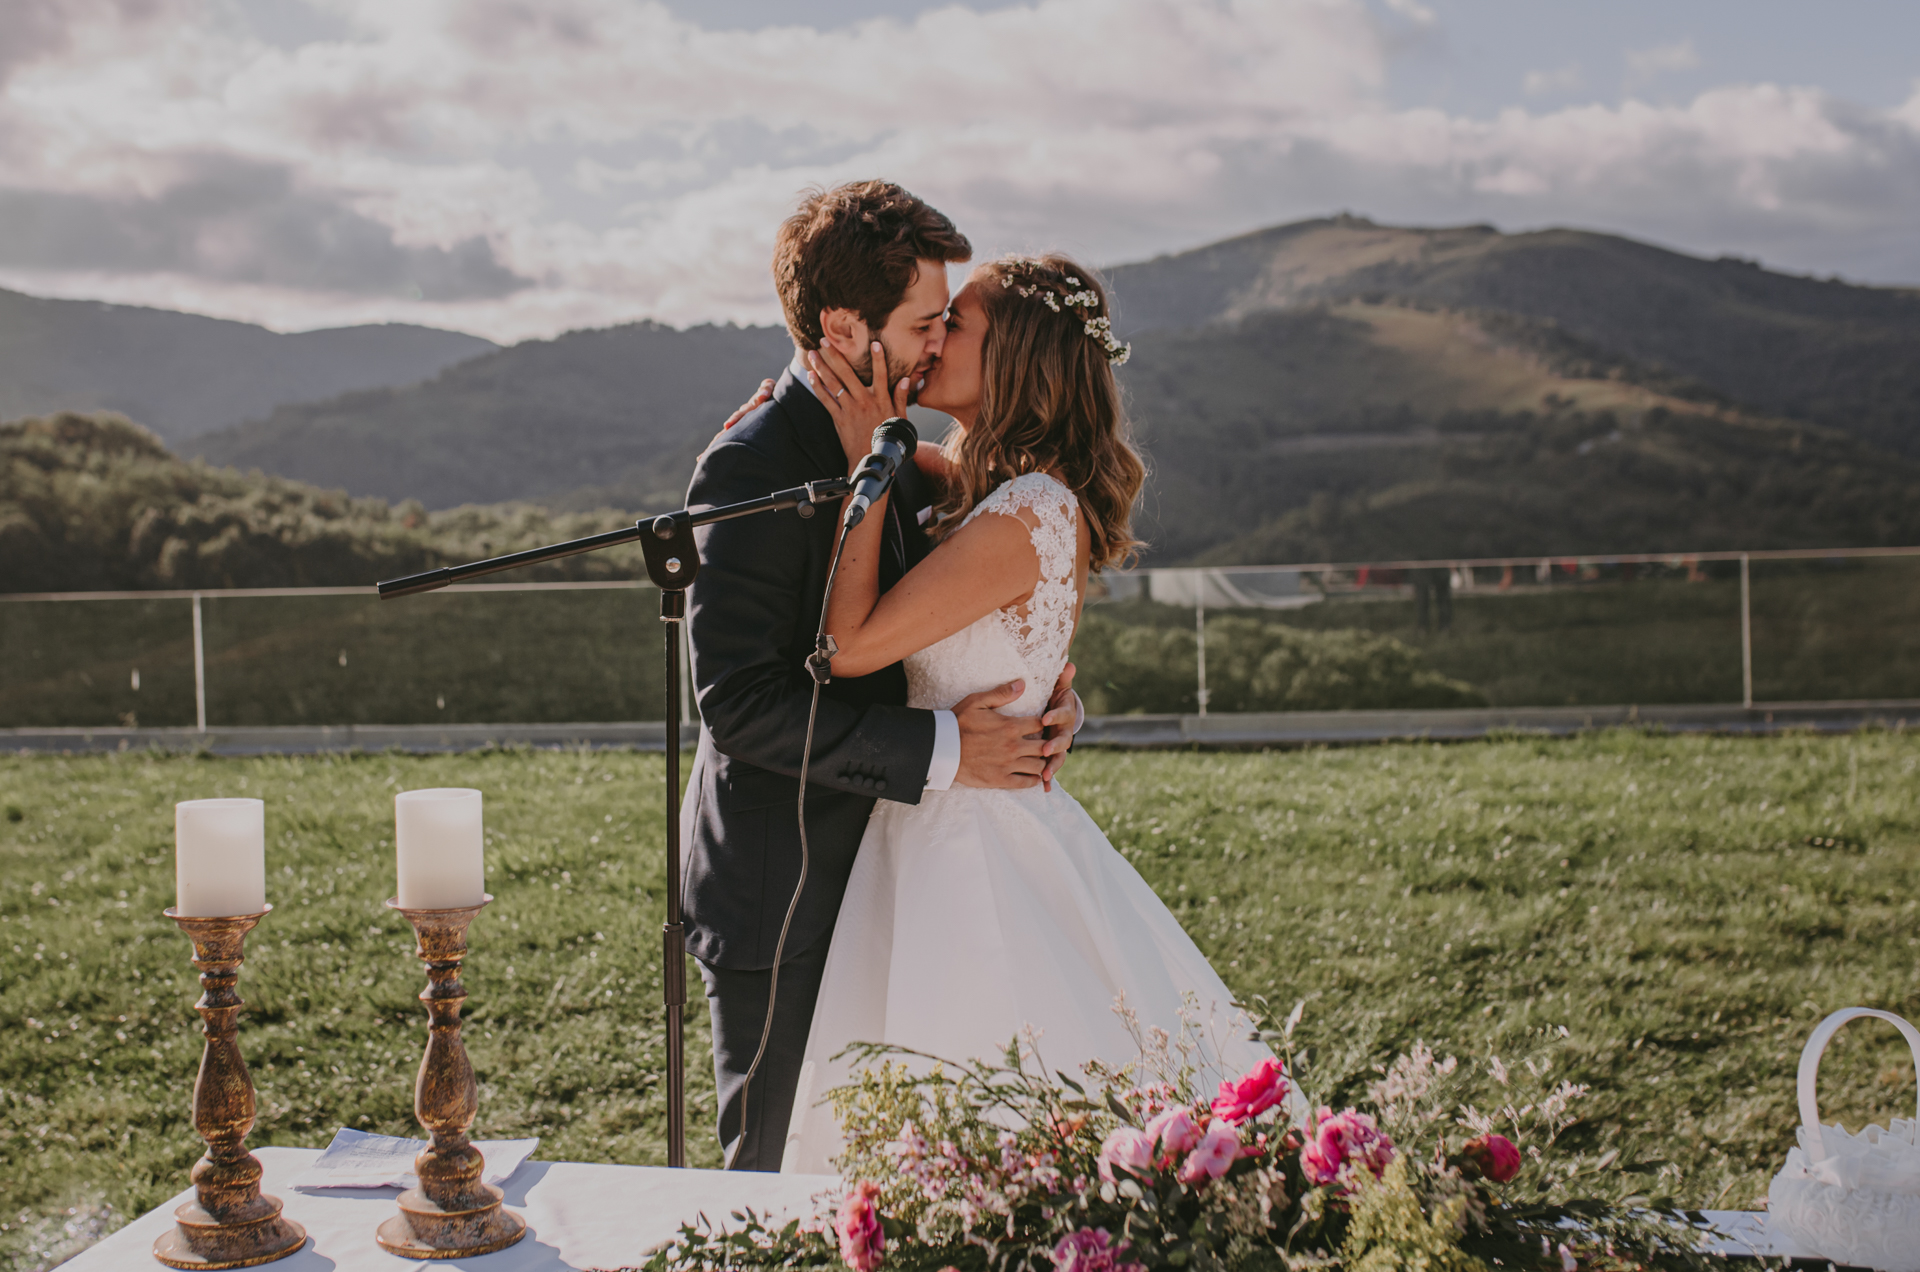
(1853,1198)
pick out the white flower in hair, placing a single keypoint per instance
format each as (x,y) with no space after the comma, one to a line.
(1099,328)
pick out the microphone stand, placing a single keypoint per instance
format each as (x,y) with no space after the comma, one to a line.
(672,562)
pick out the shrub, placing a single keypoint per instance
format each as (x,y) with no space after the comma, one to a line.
(1255,664)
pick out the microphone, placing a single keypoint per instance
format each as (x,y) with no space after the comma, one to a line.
(893,444)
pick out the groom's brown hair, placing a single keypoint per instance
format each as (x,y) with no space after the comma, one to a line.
(856,247)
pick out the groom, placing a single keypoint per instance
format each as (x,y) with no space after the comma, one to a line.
(861,263)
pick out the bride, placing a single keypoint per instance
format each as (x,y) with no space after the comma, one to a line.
(976,914)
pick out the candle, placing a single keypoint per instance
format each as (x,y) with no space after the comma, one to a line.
(219,857)
(437,842)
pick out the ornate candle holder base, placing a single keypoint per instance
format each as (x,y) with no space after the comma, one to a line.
(199,1240)
(453,1213)
(229,1224)
(423,1230)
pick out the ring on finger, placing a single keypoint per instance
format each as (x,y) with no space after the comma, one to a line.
(838,394)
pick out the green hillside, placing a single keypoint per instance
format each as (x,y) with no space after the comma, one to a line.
(1370,432)
(1820,350)
(96,503)
(613,415)
(1333,389)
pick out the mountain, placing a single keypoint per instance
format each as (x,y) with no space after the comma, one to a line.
(1371,431)
(184,374)
(1819,350)
(592,417)
(1331,390)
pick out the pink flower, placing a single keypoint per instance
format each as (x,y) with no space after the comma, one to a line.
(1495,1155)
(1175,1130)
(862,1243)
(1253,1094)
(1217,1150)
(1344,1139)
(1091,1250)
(1128,1149)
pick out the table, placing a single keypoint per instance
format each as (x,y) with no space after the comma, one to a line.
(581,1217)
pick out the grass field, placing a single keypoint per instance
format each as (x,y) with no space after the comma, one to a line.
(1656,896)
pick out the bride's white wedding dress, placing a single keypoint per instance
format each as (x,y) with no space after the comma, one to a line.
(977,913)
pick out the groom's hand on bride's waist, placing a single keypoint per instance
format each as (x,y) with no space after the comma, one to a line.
(1063,719)
(998,751)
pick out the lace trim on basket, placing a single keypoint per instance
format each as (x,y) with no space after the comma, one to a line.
(1043,627)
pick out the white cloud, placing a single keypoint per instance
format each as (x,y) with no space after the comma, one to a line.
(1414,11)
(1646,65)
(1567,79)
(524,168)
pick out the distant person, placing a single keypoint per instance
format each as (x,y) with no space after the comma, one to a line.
(1433,598)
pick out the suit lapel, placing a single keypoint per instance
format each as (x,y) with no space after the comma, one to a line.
(812,426)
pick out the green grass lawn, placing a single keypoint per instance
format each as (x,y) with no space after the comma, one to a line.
(1656,896)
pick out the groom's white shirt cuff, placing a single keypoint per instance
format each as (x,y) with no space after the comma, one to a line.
(946,751)
(946,726)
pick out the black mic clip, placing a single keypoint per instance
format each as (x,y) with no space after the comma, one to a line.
(819,492)
(820,661)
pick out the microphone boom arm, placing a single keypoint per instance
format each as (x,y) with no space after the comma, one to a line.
(663,527)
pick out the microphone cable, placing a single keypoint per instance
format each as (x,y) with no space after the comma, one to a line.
(893,444)
(820,667)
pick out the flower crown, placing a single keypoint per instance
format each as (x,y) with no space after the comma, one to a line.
(1101,329)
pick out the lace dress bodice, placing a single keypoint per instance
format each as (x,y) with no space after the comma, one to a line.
(1026,642)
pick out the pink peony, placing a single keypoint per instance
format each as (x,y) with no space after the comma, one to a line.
(1128,1149)
(862,1243)
(1217,1151)
(1495,1155)
(1344,1139)
(1253,1094)
(1175,1130)
(1091,1250)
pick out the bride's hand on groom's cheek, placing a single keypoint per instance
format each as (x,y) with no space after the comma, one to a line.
(857,408)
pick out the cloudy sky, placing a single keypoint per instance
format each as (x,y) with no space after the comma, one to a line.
(518,167)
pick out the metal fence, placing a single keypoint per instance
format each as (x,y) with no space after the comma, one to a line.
(1700,627)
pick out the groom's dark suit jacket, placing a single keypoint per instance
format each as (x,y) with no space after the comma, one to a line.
(752,611)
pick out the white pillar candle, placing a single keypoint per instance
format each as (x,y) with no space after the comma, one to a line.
(219,857)
(437,842)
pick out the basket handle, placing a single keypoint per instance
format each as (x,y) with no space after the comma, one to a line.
(1814,1139)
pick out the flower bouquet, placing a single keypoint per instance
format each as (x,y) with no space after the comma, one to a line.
(1001,1166)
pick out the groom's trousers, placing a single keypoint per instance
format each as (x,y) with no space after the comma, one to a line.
(737,1005)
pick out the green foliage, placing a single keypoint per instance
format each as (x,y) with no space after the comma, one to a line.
(1391,1232)
(1253,664)
(96,503)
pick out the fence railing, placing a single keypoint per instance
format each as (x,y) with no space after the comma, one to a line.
(1695,627)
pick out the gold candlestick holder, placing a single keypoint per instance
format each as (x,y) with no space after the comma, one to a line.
(453,1213)
(229,1224)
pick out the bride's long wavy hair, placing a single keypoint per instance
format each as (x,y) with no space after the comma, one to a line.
(1048,401)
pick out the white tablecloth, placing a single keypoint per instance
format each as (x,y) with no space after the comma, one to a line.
(581,1216)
